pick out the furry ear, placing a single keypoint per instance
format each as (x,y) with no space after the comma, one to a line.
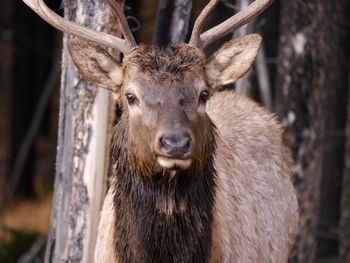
(95,64)
(232,60)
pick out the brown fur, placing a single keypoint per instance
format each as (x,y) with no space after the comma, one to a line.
(175,60)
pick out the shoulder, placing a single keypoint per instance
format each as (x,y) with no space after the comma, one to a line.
(231,112)
(247,134)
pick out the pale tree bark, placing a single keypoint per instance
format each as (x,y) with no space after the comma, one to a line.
(311,98)
(180,21)
(83,149)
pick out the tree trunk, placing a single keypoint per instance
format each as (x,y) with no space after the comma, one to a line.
(243,86)
(6,65)
(83,148)
(311,98)
(161,32)
(172,22)
(333,52)
(180,21)
(345,202)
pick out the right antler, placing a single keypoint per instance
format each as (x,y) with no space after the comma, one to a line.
(62,24)
(117,8)
(230,25)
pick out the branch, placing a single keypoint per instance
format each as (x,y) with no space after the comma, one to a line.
(33,252)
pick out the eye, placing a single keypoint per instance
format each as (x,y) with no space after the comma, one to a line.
(131,98)
(203,97)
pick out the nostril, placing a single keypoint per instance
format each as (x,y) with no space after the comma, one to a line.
(165,143)
(173,141)
(175,145)
(187,143)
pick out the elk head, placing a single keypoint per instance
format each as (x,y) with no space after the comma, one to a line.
(163,92)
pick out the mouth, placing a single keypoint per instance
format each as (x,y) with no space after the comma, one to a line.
(172,163)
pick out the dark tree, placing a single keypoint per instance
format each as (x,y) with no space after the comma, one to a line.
(345,202)
(172,22)
(6,71)
(311,100)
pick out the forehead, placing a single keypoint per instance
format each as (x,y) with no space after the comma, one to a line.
(151,90)
(170,71)
(171,63)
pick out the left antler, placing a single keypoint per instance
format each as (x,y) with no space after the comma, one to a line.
(243,17)
(124,45)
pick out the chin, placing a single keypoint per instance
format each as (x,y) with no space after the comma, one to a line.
(173,164)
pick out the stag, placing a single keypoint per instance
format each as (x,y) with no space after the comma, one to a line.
(199,174)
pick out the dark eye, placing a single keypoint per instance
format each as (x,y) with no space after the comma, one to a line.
(203,97)
(131,98)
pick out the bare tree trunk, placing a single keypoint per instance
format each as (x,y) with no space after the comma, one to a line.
(83,148)
(311,100)
(172,22)
(345,202)
(180,21)
(333,41)
(161,32)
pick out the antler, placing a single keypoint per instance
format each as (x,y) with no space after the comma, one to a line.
(198,25)
(62,24)
(117,8)
(230,25)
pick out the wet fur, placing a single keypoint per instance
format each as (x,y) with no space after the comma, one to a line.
(162,218)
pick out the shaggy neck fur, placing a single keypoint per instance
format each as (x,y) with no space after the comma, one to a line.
(167,218)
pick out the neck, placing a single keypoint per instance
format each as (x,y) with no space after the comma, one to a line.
(169,220)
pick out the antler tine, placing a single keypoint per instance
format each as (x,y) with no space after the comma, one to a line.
(62,24)
(236,21)
(117,8)
(231,24)
(198,25)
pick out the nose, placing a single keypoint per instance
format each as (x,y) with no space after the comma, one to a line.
(175,145)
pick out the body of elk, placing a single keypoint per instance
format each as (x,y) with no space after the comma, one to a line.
(199,175)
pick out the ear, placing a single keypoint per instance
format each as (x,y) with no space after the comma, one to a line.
(232,60)
(95,64)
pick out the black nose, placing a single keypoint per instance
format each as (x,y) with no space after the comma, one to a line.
(175,145)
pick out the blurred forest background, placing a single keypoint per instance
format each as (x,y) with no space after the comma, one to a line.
(301,74)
